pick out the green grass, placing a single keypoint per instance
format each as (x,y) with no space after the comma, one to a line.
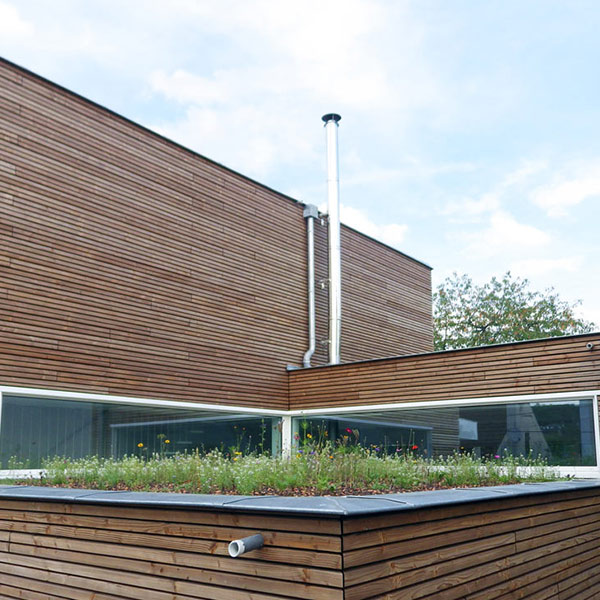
(311,470)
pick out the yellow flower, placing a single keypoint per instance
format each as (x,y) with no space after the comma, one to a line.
(167,441)
(235,458)
(331,456)
(345,437)
(309,436)
(239,453)
(140,445)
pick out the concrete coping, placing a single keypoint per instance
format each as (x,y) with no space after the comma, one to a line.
(325,506)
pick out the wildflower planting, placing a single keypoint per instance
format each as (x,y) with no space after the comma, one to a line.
(311,470)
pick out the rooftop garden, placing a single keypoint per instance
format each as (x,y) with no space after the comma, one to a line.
(315,468)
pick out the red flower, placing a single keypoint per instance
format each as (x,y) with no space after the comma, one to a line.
(348,430)
(415,447)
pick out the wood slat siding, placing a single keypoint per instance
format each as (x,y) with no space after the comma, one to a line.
(399,323)
(517,548)
(543,366)
(525,547)
(132,266)
(84,551)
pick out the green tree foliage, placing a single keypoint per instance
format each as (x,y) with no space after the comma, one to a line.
(502,310)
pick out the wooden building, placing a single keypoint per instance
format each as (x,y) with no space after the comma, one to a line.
(132,266)
(148,291)
(528,542)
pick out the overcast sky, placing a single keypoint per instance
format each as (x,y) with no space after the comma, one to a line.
(470,132)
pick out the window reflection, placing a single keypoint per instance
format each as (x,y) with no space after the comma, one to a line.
(35,428)
(562,432)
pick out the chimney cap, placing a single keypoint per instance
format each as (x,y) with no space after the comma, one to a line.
(331,117)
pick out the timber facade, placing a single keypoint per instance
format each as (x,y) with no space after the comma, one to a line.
(525,541)
(554,365)
(542,546)
(132,266)
(149,296)
(148,293)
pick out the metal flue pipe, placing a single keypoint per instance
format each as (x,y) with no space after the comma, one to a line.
(335,264)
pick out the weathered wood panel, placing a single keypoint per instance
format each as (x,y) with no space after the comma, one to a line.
(509,549)
(398,323)
(518,542)
(132,266)
(74,551)
(543,366)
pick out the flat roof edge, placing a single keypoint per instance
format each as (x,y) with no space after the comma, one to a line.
(318,506)
(442,352)
(187,149)
(420,262)
(143,127)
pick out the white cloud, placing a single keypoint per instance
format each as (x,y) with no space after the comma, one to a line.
(327,48)
(532,267)
(392,234)
(263,112)
(473,209)
(242,137)
(12,24)
(504,236)
(569,191)
(48,37)
(288,50)
(185,87)
(467,208)
(409,167)
(300,60)
(524,173)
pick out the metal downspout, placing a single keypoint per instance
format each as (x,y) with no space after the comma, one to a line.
(310,214)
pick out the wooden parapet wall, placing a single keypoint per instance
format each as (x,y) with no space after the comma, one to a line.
(553,365)
(524,541)
(517,547)
(65,549)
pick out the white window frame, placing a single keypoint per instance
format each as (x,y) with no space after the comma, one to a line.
(287,416)
(132,401)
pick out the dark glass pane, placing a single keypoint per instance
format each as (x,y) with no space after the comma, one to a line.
(35,428)
(561,432)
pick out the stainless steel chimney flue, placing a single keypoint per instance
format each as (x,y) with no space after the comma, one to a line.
(335,265)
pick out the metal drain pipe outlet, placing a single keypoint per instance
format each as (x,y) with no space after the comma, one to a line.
(238,547)
(335,262)
(310,214)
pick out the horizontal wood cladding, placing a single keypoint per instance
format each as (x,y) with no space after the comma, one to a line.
(62,550)
(516,548)
(529,546)
(131,266)
(544,366)
(386,300)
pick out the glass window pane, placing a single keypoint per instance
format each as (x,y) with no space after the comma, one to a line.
(35,428)
(562,432)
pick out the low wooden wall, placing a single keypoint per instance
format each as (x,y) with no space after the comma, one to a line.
(553,365)
(517,547)
(526,541)
(65,549)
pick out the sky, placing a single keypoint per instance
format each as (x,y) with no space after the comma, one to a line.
(470,131)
